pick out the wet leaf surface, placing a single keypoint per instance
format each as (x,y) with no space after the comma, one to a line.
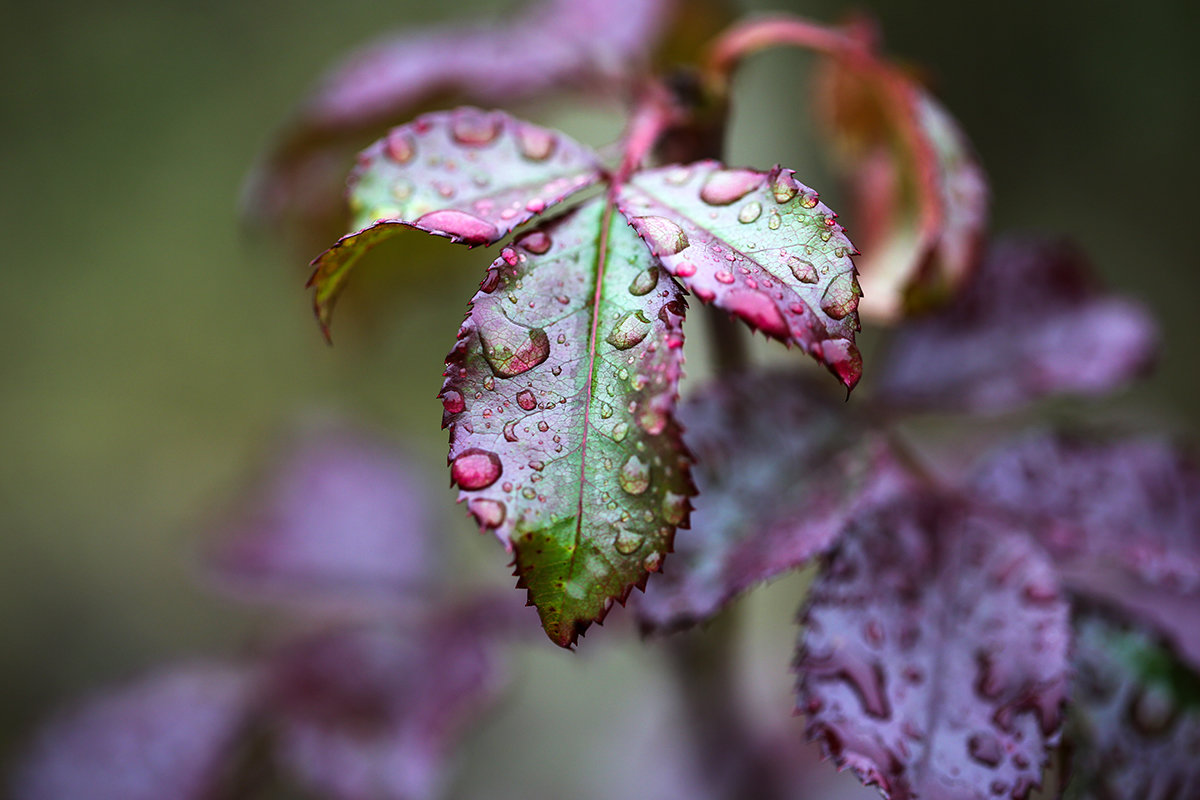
(339,521)
(168,735)
(468,175)
(1135,717)
(560,398)
(758,245)
(921,195)
(1121,519)
(779,471)
(548,46)
(375,712)
(934,660)
(1030,323)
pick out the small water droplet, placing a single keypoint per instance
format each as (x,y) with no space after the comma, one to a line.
(476,468)
(664,236)
(627,542)
(537,466)
(460,225)
(674,507)
(556,371)
(489,383)
(526,400)
(623,374)
(750,212)
(473,128)
(653,562)
(543,426)
(826,235)
(606,411)
(685,269)
(634,475)
(679,176)
(809,199)
(726,186)
(529,493)
(619,431)
(803,269)
(402,190)
(536,206)
(724,276)
(774,220)
(399,146)
(645,282)
(452,401)
(488,513)
(536,144)
(510,431)
(629,331)
(536,242)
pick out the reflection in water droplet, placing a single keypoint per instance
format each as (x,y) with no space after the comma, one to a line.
(536,144)
(460,225)
(452,401)
(629,331)
(526,400)
(726,186)
(750,212)
(803,269)
(476,468)
(399,146)
(507,364)
(627,542)
(645,282)
(634,475)
(664,236)
(488,513)
(784,186)
(536,242)
(841,296)
(473,128)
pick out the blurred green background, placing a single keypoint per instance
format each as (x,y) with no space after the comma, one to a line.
(152,347)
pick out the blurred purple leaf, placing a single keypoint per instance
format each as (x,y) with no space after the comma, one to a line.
(339,520)
(1120,519)
(758,245)
(934,659)
(1030,323)
(1135,717)
(374,713)
(169,735)
(779,473)
(553,44)
(471,176)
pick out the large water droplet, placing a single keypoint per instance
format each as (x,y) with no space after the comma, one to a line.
(399,146)
(536,242)
(620,431)
(507,364)
(627,542)
(634,475)
(461,225)
(452,401)
(630,330)
(476,468)
(664,236)
(473,128)
(488,513)
(803,269)
(784,186)
(526,400)
(759,310)
(809,199)
(841,296)
(536,144)
(726,186)
(644,282)
(750,212)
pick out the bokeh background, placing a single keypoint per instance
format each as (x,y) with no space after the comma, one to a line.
(152,347)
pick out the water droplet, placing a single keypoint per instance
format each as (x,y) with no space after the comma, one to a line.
(619,431)
(606,411)
(645,282)
(759,310)
(674,507)
(679,176)
(399,146)
(452,401)
(536,206)
(630,330)
(489,383)
(724,276)
(685,269)
(623,374)
(726,186)
(809,199)
(474,129)
(402,189)
(634,475)
(627,542)
(543,426)
(507,364)
(536,144)
(460,225)
(839,252)
(985,748)
(529,493)
(841,296)
(537,466)
(750,212)
(784,186)
(803,269)
(653,562)
(476,469)
(556,371)
(826,236)
(536,242)
(510,431)
(488,513)
(526,400)
(664,237)
(774,220)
